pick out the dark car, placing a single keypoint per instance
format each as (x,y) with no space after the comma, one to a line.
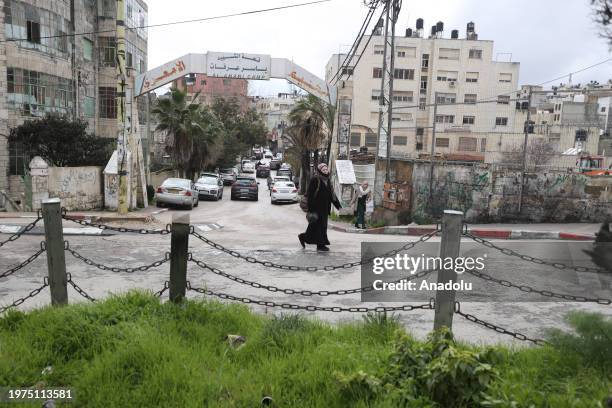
(275,164)
(262,171)
(245,187)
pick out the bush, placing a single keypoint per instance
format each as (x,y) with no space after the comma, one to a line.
(150,192)
(404,217)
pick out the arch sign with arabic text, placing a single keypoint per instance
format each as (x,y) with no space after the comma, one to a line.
(235,65)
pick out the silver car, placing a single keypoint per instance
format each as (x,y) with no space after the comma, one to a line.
(209,188)
(176,191)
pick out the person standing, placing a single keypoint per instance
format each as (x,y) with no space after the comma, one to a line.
(363,194)
(320,197)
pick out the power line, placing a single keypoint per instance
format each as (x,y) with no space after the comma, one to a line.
(196,20)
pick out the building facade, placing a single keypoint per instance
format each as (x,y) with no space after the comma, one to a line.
(471,89)
(60,56)
(275,112)
(210,88)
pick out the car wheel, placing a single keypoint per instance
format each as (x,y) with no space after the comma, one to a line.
(221,196)
(197,203)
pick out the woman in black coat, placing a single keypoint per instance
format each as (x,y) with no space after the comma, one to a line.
(320,198)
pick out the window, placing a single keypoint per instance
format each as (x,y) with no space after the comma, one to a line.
(425,62)
(447,76)
(503,99)
(442,142)
(370,140)
(128,60)
(449,53)
(142,66)
(445,118)
(62,41)
(129,11)
(501,121)
(107,51)
(403,52)
(603,109)
(347,71)
(469,120)
(422,103)
(379,50)
(402,96)
(356,139)
(401,73)
(423,88)
(471,77)
(446,98)
(377,73)
(419,139)
(504,77)
(376,95)
(420,131)
(400,140)
(87,49)
(89,107)
(469,98)
(108,102)
(203,82)
(467,144)
(475,53)
(33,32)
(483,145)
(227,82)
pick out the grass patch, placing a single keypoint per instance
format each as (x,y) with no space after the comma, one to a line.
(132,351)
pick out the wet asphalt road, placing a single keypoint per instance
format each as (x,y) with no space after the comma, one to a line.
(269,232)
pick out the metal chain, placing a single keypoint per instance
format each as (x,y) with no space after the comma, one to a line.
(111,228)
(18,235)
(79,289)
(23,299)
(24,263)
(516,335)
(347,265)
(529,289)
(141,268)
(300,292)
(539,261)
(311,308)
(159,293)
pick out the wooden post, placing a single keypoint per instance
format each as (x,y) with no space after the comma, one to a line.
(452,223)
(179,247)
(56,260)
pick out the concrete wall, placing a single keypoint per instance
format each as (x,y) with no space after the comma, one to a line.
(488,195)
(79,188)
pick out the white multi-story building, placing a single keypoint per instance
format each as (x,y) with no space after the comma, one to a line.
(457,73)
(275,111)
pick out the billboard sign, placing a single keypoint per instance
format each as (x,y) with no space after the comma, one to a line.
(238,65)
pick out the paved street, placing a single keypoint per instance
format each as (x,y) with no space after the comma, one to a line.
(269,232)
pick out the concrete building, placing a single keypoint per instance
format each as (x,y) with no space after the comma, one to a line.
(275,112)
(44,68)
(453,72)
(210,88)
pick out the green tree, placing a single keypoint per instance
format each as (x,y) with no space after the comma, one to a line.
(312,122)
(62,141)
(190,131)
(208,144)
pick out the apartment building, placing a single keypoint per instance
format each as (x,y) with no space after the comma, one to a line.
(456,74)
(275,112)
(209,88)
(45,68)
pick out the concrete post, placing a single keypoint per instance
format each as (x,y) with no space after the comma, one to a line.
(56,261)
(179,248)
(452,223)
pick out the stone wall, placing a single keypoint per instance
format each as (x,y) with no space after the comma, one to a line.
(486,194)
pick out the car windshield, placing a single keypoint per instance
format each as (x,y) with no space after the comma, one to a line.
(176,183)
(284,184)
(281,179)
(207,180)
(227,171)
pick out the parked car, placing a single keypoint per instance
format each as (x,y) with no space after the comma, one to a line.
(263,170)
(284,191)
(248,167)
(228,176)
(285,172)
(209,188)
(275,164)
(209,174)
(177,191)
(275,179)
(245,187)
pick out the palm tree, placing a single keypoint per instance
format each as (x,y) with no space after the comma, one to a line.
(307,134)
(180,120)
(322,111)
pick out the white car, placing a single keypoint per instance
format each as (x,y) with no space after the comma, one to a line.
(283,191)
(176,191)
(248,167)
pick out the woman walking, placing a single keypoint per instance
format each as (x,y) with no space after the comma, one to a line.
(320,197)
(361,197)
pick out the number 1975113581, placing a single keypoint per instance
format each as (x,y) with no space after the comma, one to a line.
(15,394)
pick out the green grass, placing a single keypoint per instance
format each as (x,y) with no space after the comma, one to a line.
(132,351)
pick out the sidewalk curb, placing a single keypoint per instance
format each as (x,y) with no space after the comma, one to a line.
(481,233)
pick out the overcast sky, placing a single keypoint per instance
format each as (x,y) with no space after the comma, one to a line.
(549,38)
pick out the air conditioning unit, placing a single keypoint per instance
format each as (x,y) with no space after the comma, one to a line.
(451,84)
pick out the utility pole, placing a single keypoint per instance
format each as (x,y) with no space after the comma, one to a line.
(122,138)
(526,131)
(392,8)
(433,148)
